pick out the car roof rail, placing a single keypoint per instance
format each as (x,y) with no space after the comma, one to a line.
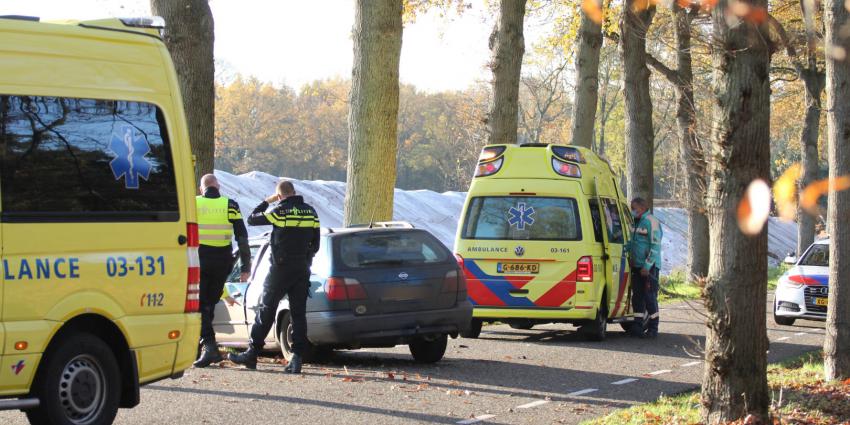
(385,225)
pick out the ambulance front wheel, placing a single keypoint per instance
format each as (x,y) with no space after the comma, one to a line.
(474,330)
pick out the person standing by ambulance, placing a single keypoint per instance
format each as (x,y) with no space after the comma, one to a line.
(219,221)
(645,259)
(294,241)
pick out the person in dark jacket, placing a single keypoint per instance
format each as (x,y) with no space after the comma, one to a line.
(294,241)
(219,221)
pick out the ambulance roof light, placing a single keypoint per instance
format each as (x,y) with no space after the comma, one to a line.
(144,22)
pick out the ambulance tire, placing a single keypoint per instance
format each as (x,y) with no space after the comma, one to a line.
(474,330)
(78,382)
(429,349)
(598,327)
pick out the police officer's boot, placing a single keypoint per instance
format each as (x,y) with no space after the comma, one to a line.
(209,356)
(294,365)
(247,358)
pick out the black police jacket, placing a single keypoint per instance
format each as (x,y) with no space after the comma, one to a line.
(296,228)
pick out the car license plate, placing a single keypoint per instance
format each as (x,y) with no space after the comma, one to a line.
(521,268)
(821,301)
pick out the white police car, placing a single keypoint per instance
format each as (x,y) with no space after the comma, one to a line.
(802,291)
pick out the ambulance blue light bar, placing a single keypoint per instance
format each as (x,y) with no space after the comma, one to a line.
(569,153)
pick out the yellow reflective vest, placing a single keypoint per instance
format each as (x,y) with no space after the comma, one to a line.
(214,226)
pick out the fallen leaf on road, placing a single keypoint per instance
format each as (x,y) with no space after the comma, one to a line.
(390,375)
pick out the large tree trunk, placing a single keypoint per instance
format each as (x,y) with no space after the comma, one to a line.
(373,116)
(837,345)
(690,150)
(507,46)
(587,80)
(189,37)
(635,20)
(814,82)
(735,380)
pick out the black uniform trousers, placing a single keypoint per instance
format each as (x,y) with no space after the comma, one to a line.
(288,277)
(645,299)
(216,265)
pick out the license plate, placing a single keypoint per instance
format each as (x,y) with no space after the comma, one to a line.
(523,268)
(821,301)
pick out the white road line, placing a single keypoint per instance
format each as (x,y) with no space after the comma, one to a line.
(476,419)
(659,372)
(800,333)
(533,404)
(624,381)
(691,364)
(784,338)
(582,392)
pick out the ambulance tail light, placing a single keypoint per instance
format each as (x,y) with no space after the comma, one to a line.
(584,269)
(489,168)
(491,153)
(344,289)
(565,168)
(193,284)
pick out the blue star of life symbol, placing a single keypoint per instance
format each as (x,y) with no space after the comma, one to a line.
(520,216)
(130,148)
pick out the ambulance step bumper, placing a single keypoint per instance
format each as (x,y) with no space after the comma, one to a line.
(19,404)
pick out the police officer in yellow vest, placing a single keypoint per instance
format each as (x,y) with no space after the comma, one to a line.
(219,221)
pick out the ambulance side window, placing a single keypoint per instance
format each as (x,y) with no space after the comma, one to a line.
(596,219)
(90,160)
(612,219)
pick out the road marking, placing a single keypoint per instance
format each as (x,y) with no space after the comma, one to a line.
(659,372)
(582,392)
(533,404)
(800,333)
(691,364)
(784,338)
(476,419)
(624,381)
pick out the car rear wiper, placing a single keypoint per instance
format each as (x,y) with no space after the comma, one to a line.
(382,262)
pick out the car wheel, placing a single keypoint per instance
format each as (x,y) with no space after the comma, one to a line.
(782,320)
(284,339)
(78,383)
(474,330)
(597,329)
(429,349)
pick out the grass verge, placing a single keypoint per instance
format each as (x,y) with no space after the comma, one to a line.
(799,396)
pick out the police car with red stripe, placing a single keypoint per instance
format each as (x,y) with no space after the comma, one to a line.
(802,292)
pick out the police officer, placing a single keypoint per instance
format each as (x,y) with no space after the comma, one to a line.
(645,258)
(294,242)
(219,220)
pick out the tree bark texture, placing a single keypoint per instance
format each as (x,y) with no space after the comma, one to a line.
(837,343)
(373,115)
(813,80)
(587,80)
(635,20)
(735,376)
(189,37)
(507,45)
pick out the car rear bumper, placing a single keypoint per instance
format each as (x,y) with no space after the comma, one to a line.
(791,302)
(346,329)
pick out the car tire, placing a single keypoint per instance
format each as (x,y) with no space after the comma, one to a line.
(284,340)
(429,349)
(782,320)
(597,329)
(78,382)
(474,330)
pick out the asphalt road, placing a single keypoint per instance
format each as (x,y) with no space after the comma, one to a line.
(545,375)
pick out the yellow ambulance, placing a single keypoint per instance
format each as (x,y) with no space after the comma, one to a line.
(542,237)
(99,260)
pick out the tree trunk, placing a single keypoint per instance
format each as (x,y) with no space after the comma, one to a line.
(189,37)
(735,379)
(690,150)
(635,20)
(507,46)
(814,82)
(837,344)
(373,115)
(587,80)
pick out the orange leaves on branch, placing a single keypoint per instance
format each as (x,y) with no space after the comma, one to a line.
(593,10)
(813,192)
(785,192)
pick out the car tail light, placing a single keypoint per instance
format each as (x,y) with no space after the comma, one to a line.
(460,262)
(584,269)
(489,168)
(344,289)
(451,281)
(565,168)
(193,281)
(803,280)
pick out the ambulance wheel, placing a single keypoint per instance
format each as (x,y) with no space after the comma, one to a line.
(78,383)
(285,340)
(596,329)
(429,349)
(474,330)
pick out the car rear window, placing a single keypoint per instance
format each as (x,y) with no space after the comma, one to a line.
(522,218)
(381,249)
(818,255)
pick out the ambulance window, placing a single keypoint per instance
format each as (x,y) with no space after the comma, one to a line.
(596,219)
(69,159)
(522,218)
(612,220)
